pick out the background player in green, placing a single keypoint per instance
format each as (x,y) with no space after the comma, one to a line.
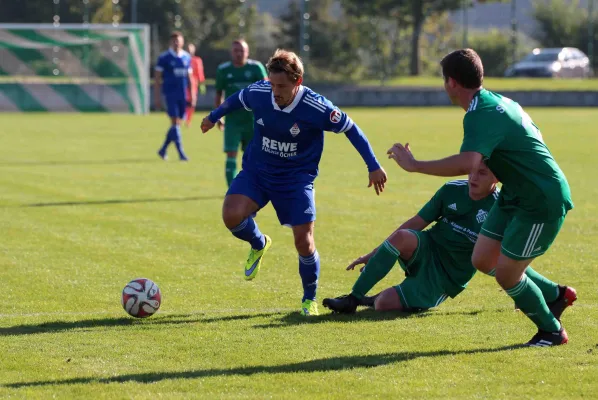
(535,195)
(231,77)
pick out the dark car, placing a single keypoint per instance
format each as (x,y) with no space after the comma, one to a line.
(561,62)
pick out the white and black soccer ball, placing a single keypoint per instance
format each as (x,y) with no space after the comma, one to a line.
(141,298)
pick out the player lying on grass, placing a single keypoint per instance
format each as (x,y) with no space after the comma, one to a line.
(281,164)
(535,195)
(437,261)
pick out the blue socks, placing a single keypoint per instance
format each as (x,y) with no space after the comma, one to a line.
(309,269)
(173,135)
(249,232)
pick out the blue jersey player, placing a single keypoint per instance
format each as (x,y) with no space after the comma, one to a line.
(172,76)
(281,163)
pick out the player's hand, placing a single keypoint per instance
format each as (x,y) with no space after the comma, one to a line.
(359,261)
(193,101)
(403,156)
(220,125)
(378,179)
(206,125)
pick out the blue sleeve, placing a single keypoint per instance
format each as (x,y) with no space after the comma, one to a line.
(160,63)
(362,145)
(234,102)
(336,121)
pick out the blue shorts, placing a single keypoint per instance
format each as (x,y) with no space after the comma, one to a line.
(176,106)
(294,204)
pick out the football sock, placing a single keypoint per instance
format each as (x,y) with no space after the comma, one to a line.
(377,267)
(528,297)
(249,232)
(550,290)
(230,169)
(309,270)
(167,140)
(176,138)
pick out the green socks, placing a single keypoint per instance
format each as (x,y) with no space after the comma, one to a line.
(231,169)
(550,290)
(376,269)
(528,297)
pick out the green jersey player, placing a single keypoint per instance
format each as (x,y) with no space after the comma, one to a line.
(231,77)
(535,195)
(437,261)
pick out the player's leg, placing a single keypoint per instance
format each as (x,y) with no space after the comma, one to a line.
(403,245)
(176,121)
(523,242)
(170,134)
(232,138)
(418,292)
(296,207)
(309,266)
(244,198)
(557,297)
(190,108)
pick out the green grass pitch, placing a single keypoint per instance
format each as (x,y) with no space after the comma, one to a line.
(86,205)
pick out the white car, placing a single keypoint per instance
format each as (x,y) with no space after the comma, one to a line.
(560,62)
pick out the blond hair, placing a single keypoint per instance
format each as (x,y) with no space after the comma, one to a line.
(287,62)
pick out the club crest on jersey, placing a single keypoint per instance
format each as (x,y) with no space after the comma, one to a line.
(335,116)
(295,130)
(481,217)
(247,74)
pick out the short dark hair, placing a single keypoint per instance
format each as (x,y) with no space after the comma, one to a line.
(176,34)
(464,66)
(286,62)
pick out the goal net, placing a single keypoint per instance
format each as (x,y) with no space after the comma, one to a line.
(74,68)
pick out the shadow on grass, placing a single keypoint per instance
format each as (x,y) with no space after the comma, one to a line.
(319,365)
(89,324)
(121,201)
(295,318)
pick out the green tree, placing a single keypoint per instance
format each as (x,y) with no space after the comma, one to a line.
(415,12)
(333,42)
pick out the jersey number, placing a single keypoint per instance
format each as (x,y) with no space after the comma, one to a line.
(528,124)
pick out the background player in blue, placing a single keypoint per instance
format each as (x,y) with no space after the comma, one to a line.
(173,75)
(281,163)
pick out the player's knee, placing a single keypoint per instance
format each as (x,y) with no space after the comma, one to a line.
(232,215)
(388,300)
(398,238)
(305,244)
(481,262)
(507,277)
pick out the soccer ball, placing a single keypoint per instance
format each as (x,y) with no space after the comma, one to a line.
(141,298)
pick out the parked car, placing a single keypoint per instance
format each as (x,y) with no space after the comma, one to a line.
(561,62)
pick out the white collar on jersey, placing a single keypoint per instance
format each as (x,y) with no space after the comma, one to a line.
(291,106)
(179,55)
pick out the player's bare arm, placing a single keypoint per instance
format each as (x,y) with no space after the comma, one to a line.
(455,165)
(193,92)
(157,90)
(415,223)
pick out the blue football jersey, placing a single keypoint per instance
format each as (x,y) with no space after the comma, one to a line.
(287,144)
(175,70)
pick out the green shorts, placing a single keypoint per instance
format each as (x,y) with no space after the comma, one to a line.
(521,239)
(424,285)
(235,135)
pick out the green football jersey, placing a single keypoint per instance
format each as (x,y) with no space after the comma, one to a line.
(231,79)
(459,219)
(534,187)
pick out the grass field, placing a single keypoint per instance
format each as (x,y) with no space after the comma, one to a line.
(498,83)
(86,205)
